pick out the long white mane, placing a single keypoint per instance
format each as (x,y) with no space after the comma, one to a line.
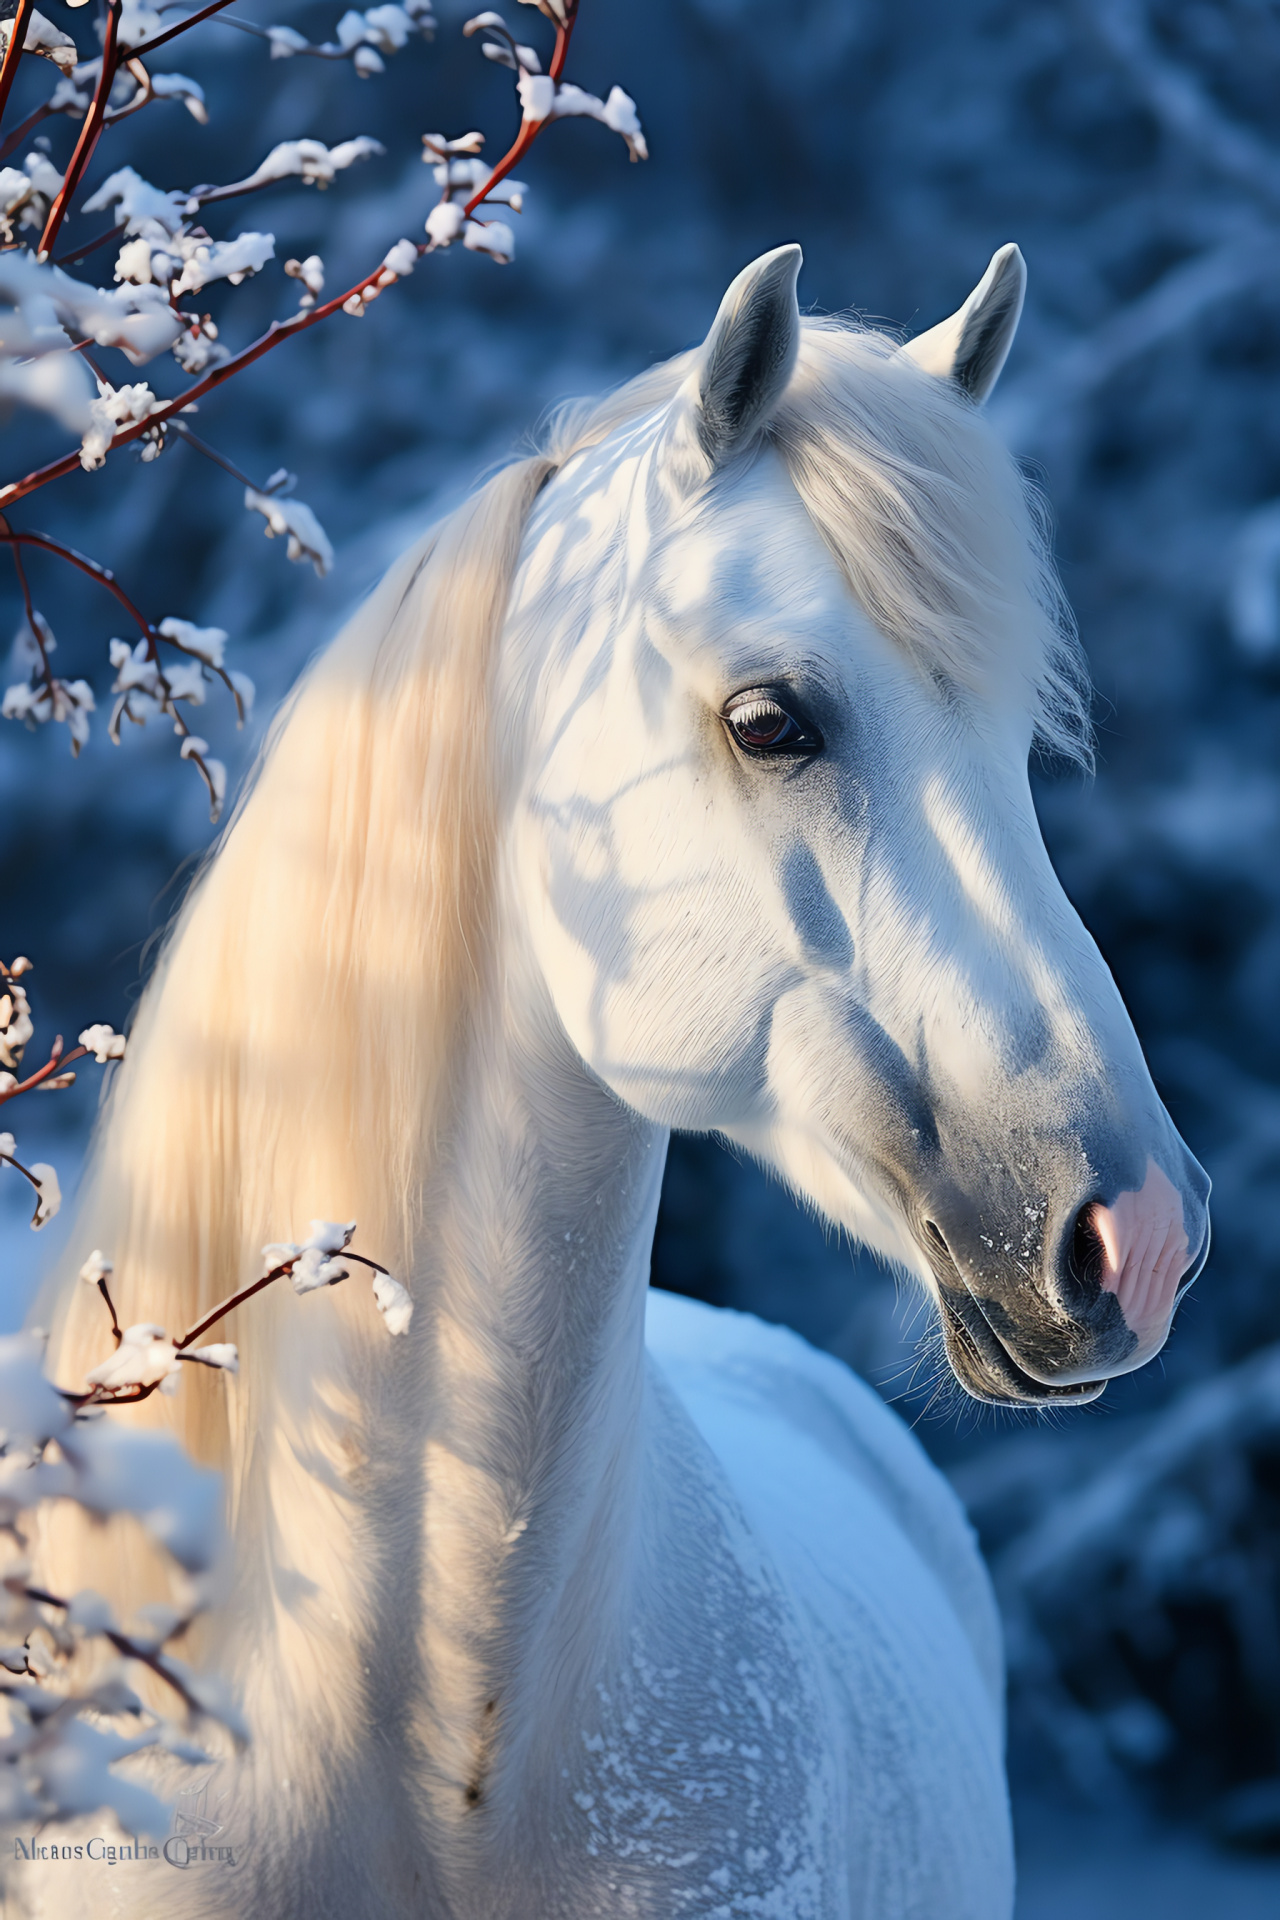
(298,1049)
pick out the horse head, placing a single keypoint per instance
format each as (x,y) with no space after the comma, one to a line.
(775,841)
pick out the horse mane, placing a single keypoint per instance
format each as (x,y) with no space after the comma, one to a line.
(298,1047)
(295,1051)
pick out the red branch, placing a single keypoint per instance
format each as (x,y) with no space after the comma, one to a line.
(234,1300)
(129,1396)
(7,1159)
(103,575)
(90,132)
(13,52)
(89,246)
(529,129)
(56,1063)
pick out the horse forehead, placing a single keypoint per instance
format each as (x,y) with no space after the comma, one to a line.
(748,550)
(573,528)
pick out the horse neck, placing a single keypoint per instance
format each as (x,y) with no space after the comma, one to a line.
(549,1192)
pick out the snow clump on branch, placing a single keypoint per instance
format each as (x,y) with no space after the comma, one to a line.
(316,1262)
(44,38)
(297,523)
(26,194)
(362,37)
(103,1043)
(542,98)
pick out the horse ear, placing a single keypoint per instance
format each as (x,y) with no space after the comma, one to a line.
(747,357)
(972,346)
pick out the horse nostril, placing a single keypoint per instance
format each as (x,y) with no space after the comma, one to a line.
(934,1236)
(1087,1258)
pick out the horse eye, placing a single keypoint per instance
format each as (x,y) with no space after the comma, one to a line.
(761,724)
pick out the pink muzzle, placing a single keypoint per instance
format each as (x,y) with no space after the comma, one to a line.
(1145,1255)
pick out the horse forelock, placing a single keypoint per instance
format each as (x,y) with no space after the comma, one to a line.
(943,541)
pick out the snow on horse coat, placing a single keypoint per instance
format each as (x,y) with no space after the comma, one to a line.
(678,779)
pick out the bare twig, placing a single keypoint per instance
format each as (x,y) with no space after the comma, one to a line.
(234,1300)
(105,578)
(46,670)
(89,246)
(171,33)
(198,445)
(105,1291)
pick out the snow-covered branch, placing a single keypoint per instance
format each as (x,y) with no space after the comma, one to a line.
(56,1753)
(61,1738)
(52,321)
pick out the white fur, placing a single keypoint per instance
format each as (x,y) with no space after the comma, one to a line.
(530,1627)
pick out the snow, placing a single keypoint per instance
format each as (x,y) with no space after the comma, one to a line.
(49,1198)
(444,223)
(394,1303)
(223,260)
(221,1354)
(401,259)
(316,1264)
(44,38)
(104,1044)
(298,525)
(537,93)
(143,1359)
(207,643)
(493,237)
(310,160)
(135,200)
(286,41)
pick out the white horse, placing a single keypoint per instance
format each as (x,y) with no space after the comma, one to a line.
(678,779)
